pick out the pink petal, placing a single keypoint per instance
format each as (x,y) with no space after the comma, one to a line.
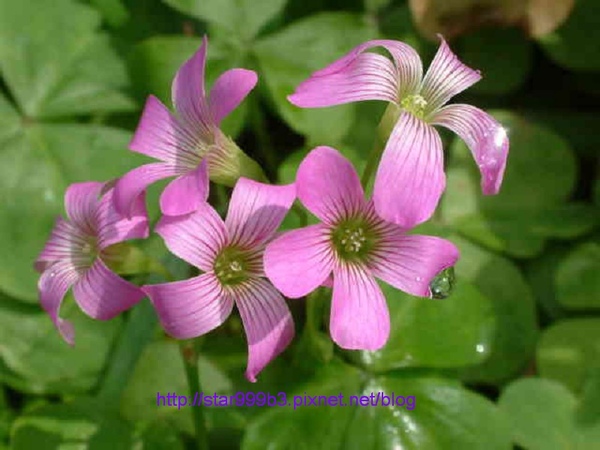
(446,77)
(131,185)
(267,321)
(60,245)
(299,261)
(485,137)
(230,89)
(160,135)
(114,227)
(411,262)
(187,92)
(185,193)
(81,202)
(53,286)
(102,294)
(256,210)
(328,185)
(196,238)
(359,313)
(362,76)
(190,308)
(410,178)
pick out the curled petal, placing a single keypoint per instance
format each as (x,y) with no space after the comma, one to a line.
(267,321)
(131,185)
(328,185)
(362,76)
(367,77)
(185,193)
(230,89)
(446,77)
(411,262)
(410,179)
(114,227)
(53,286)
(160,135)
(190,308)
(81,202)
(64,239)
(256,210)
(102,294)
(187,92)
(485,137)
(299,261)
(359,315)
(196,238)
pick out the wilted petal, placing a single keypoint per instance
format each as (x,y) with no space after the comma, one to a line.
(114,227)
(185,193)
(411,262)
(195,238)
(81,202)
(446,77)
(267,321)
(102,294)
(359,315)
(256,210)
(362,76)
(131,185)
(328,185)
(230,89)
(53,286)
(410,178)
(60,245)
(188,93)
(299,261)
(160,135)
(190,308)
(486,138)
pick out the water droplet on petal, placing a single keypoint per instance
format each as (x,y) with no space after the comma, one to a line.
(443,284)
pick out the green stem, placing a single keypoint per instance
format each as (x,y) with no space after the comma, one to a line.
(138,332)
(384,129)
(301,215)
(371,165)
(189,355)
(259,127)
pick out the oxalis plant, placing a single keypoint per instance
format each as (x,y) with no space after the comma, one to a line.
(354,228)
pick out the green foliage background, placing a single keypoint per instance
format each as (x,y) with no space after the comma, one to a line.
(512,358)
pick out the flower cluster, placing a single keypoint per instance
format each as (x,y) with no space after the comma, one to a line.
(242,260)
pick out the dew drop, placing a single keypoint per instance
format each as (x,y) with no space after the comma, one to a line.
(443,284)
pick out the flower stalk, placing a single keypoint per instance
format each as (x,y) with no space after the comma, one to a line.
(189,355)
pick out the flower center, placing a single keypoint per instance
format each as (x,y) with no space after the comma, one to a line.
(231,266)
(414,104)
(86,251)
(353,239)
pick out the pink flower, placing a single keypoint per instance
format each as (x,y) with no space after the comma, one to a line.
(76,252)
(356,245)
(181,142)
(230,255)
(412,162)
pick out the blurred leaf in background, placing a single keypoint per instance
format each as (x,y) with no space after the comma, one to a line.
(57,67)
(521,324)
(454,17)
